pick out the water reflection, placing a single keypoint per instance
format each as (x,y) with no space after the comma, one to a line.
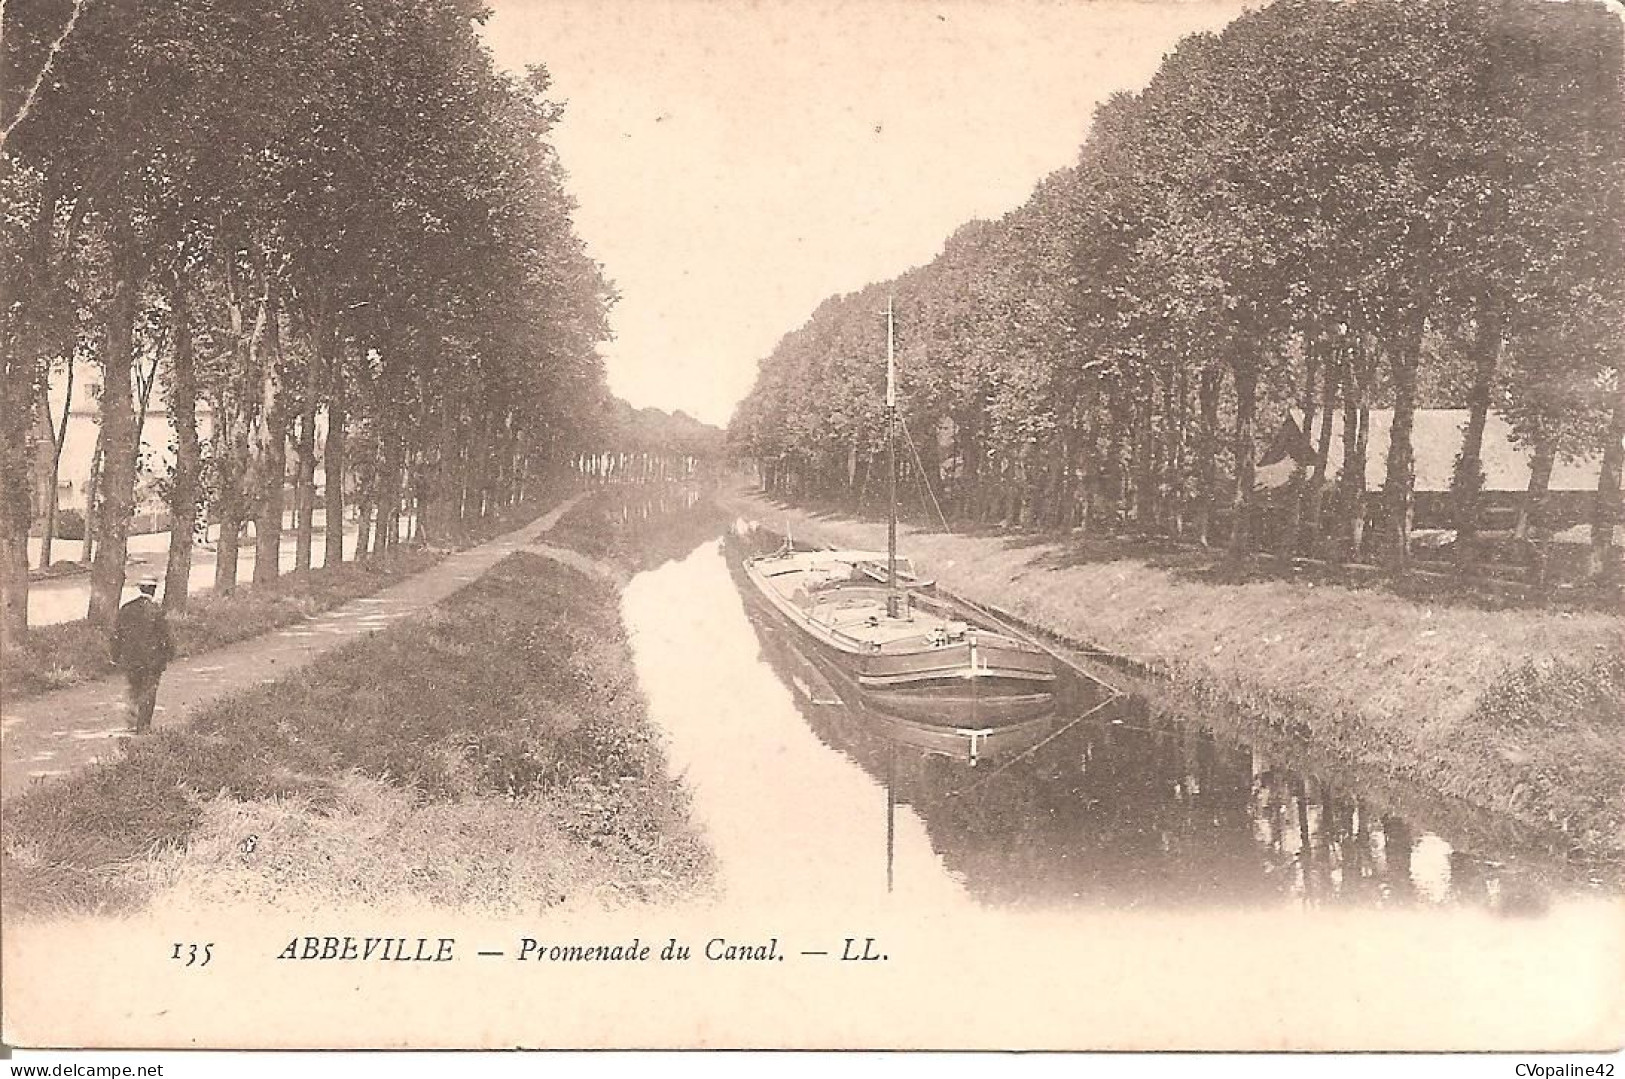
(1122,811)
(644,525)
(1085,803)
(791,819)
(1101,801)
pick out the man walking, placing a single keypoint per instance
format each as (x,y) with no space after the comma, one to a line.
(141,646)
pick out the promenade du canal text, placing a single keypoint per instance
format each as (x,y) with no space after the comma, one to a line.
(531,949)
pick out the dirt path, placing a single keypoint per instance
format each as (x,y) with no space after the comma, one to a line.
(57,733)
(581,563)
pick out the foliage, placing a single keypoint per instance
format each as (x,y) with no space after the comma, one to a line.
(70,524)
(1324,207)
(290,210)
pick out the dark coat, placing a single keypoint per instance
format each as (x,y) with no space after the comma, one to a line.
(141,639)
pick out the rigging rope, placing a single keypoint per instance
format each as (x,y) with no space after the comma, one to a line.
(1113,699)
(924,479)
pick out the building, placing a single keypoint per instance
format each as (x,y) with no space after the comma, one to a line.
(1436,438)
(157,454)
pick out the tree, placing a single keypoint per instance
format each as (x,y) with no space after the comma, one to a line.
(1377,204)
(329,209)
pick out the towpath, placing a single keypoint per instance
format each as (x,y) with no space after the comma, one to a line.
(55,734)
(579,562)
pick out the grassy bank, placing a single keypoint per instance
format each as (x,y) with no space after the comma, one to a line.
(65,654)
(1518,711)
(493,753)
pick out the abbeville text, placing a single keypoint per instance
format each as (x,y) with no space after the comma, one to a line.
(380,949)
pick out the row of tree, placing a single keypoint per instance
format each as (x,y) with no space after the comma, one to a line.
(646,445)
(1328,207)
(336,225)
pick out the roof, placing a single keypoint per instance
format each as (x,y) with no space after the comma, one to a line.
(1436,435)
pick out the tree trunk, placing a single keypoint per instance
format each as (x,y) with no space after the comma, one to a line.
(1112,472)
(271,455)
(1400,476)
(59,439)
(510,461)
(481,460)
(1025,483)
(47,539)
(1604,561)
(435,485)
(24,384)
(1362,450)
(1531,527)
(304,492)
(143,400)
(233,412)
(1323,449)
(119,447)
(1469,478)
(1356,434)
(363,536)
(1301,487)
(93,483)
(185,490)
(1084,466)
(1054,512)
(1175,406)
(1246,380)
(419,500)
(19,397)
(1399,480)
(1207,446)
(388,528)
(464,489)
(970,457)
(304,485)
(366,541)
(230,506)
(333,463)
(1147,512)
(14,570)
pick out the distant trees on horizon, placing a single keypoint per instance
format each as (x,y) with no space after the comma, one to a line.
(641,445)
(1326,207)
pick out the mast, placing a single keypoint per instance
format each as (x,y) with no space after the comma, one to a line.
(894,598)
(891,812)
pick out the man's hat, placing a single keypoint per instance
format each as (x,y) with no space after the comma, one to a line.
(148,583)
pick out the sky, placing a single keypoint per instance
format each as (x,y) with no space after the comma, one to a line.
(737,162)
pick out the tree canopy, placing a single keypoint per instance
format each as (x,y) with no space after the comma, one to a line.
(1325,207)
(335,219)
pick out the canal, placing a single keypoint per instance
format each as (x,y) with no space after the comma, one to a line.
(807,787)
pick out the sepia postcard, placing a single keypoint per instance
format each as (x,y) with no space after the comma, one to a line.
(1043,525)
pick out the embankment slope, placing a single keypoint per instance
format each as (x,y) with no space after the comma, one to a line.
(1515,711)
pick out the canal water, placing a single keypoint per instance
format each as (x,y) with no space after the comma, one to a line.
(807,787)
